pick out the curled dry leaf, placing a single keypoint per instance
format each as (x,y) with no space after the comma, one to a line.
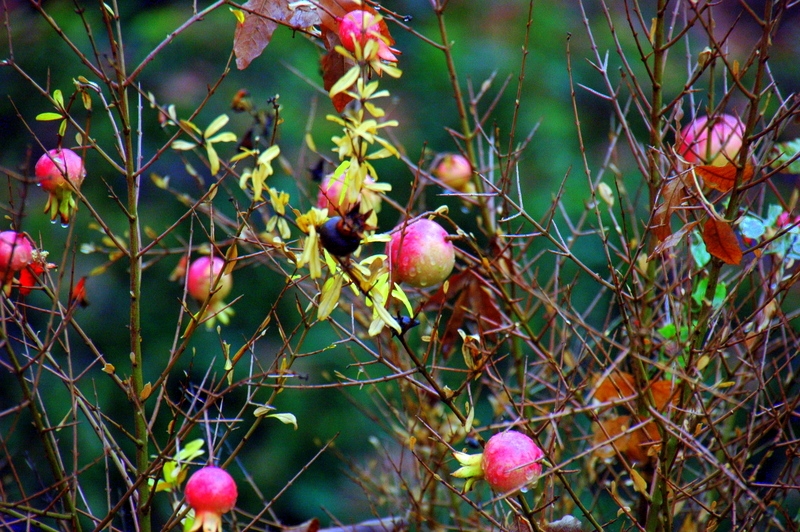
(614,435)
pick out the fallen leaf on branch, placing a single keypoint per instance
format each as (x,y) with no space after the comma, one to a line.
(721,241)
(723,178)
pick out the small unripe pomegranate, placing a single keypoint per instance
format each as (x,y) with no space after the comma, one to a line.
(203,272)
(210,492)
(714,141)
(454,171)
(420,254)
(359,26)
(15,252)
(59,171)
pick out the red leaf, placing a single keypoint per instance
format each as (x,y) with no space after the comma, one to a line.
(334,66)
(27,277)
(723,178)
(721,241)
(78,295)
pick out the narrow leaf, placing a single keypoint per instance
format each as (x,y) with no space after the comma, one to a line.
(44,117)
(218,123)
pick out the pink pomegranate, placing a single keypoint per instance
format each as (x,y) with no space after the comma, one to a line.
(210,492)
(59,172)
(420,253)
(360,27)
(711,140)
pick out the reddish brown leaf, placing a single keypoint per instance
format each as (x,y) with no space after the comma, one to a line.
(474,302)
(721,241)
(620,385)
(616,386)
(254,35)
(634,445)
(723,178)
(334,66)
(673,194)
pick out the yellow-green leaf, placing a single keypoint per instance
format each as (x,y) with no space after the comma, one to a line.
(346,81)
(263,410)
(331,291)
(160,182)
(213,159)
(59,98)
(287,419)
(44,117)
(218,123)
(182,145)
(239,14)
(225,136)
(639,483)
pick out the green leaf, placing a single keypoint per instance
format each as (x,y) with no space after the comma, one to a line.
(59,98)
(787,151)
(191,450)
(751,227)
(668,331)
(698,249)
(44,117)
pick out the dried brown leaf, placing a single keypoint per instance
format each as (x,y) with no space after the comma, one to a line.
(613,433)
(474,302)
(620,385)
(673,240)
(721,241)
(723,178)
(673,194)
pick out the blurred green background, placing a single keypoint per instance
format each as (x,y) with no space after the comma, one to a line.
(487,40)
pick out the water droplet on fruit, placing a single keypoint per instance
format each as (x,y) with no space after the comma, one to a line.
(64,224)
(524,489)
